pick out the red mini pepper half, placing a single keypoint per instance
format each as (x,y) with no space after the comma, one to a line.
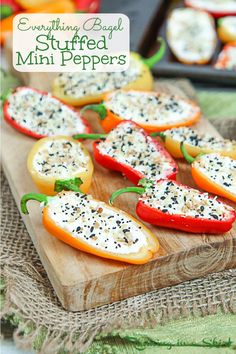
(131,151)
(173,205)
(39,114)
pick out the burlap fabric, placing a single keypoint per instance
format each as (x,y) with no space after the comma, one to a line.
(30,297)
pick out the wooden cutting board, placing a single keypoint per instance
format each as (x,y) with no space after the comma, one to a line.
(84,281)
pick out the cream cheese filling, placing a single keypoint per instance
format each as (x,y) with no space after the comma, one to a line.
(215,5)
(43,114)
(191,35)
(96,223)
(171,198)
(128,145)
(150,109)
(85,84)
(192,137)
(220,170)
(60,158)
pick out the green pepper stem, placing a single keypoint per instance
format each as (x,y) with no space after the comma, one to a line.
(138,190)
(90,136)
(100,109)
(186,155)
(155,58)
(68,185)
(42,198)
(160,134)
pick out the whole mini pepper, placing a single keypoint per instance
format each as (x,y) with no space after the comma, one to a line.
(62,6)
(227,57)
(215,8)
(59,157)
(196,143)
(38,114)
(213,173)
(93,226)
(176,206)
(153,111)
(131,151)
(83,88)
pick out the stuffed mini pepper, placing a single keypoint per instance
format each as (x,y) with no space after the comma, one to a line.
(59,157)
(94,227)
(213,173)
(131,151)
(196,143)
(191,35)
(39,114)
(153,111)
(216,8)
(227,57)
(83,88)
(176,206)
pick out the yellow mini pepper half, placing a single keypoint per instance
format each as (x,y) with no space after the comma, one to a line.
(59,157)
(196,143)
(79,89)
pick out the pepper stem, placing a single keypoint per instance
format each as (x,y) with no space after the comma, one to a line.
(138,190)
(90,136)
(68,185)
(160,134)
(186,155)
(150,62)
(100,109)
(42,198)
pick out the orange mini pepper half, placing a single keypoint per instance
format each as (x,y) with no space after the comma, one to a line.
(59,157)
(196,143)
(94,227)
(213,173)
(153,111)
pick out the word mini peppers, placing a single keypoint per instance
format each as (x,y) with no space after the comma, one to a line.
(79,89)
(94,227)
(53,158)
(213,173)
(131,151)
(153,111)
(38,114)
(196,143)
(173,205)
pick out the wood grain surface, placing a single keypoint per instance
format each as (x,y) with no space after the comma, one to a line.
(84,281)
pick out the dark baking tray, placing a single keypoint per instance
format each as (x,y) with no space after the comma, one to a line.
(169,66)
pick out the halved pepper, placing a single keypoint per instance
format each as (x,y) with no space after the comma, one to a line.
(215,8)
(196,143)
(80,88)
(94,227)
(131,151)
(213,173)
(153,111)
(227,57)
(38,114)
(226,29)
(59,157)
(173,205)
